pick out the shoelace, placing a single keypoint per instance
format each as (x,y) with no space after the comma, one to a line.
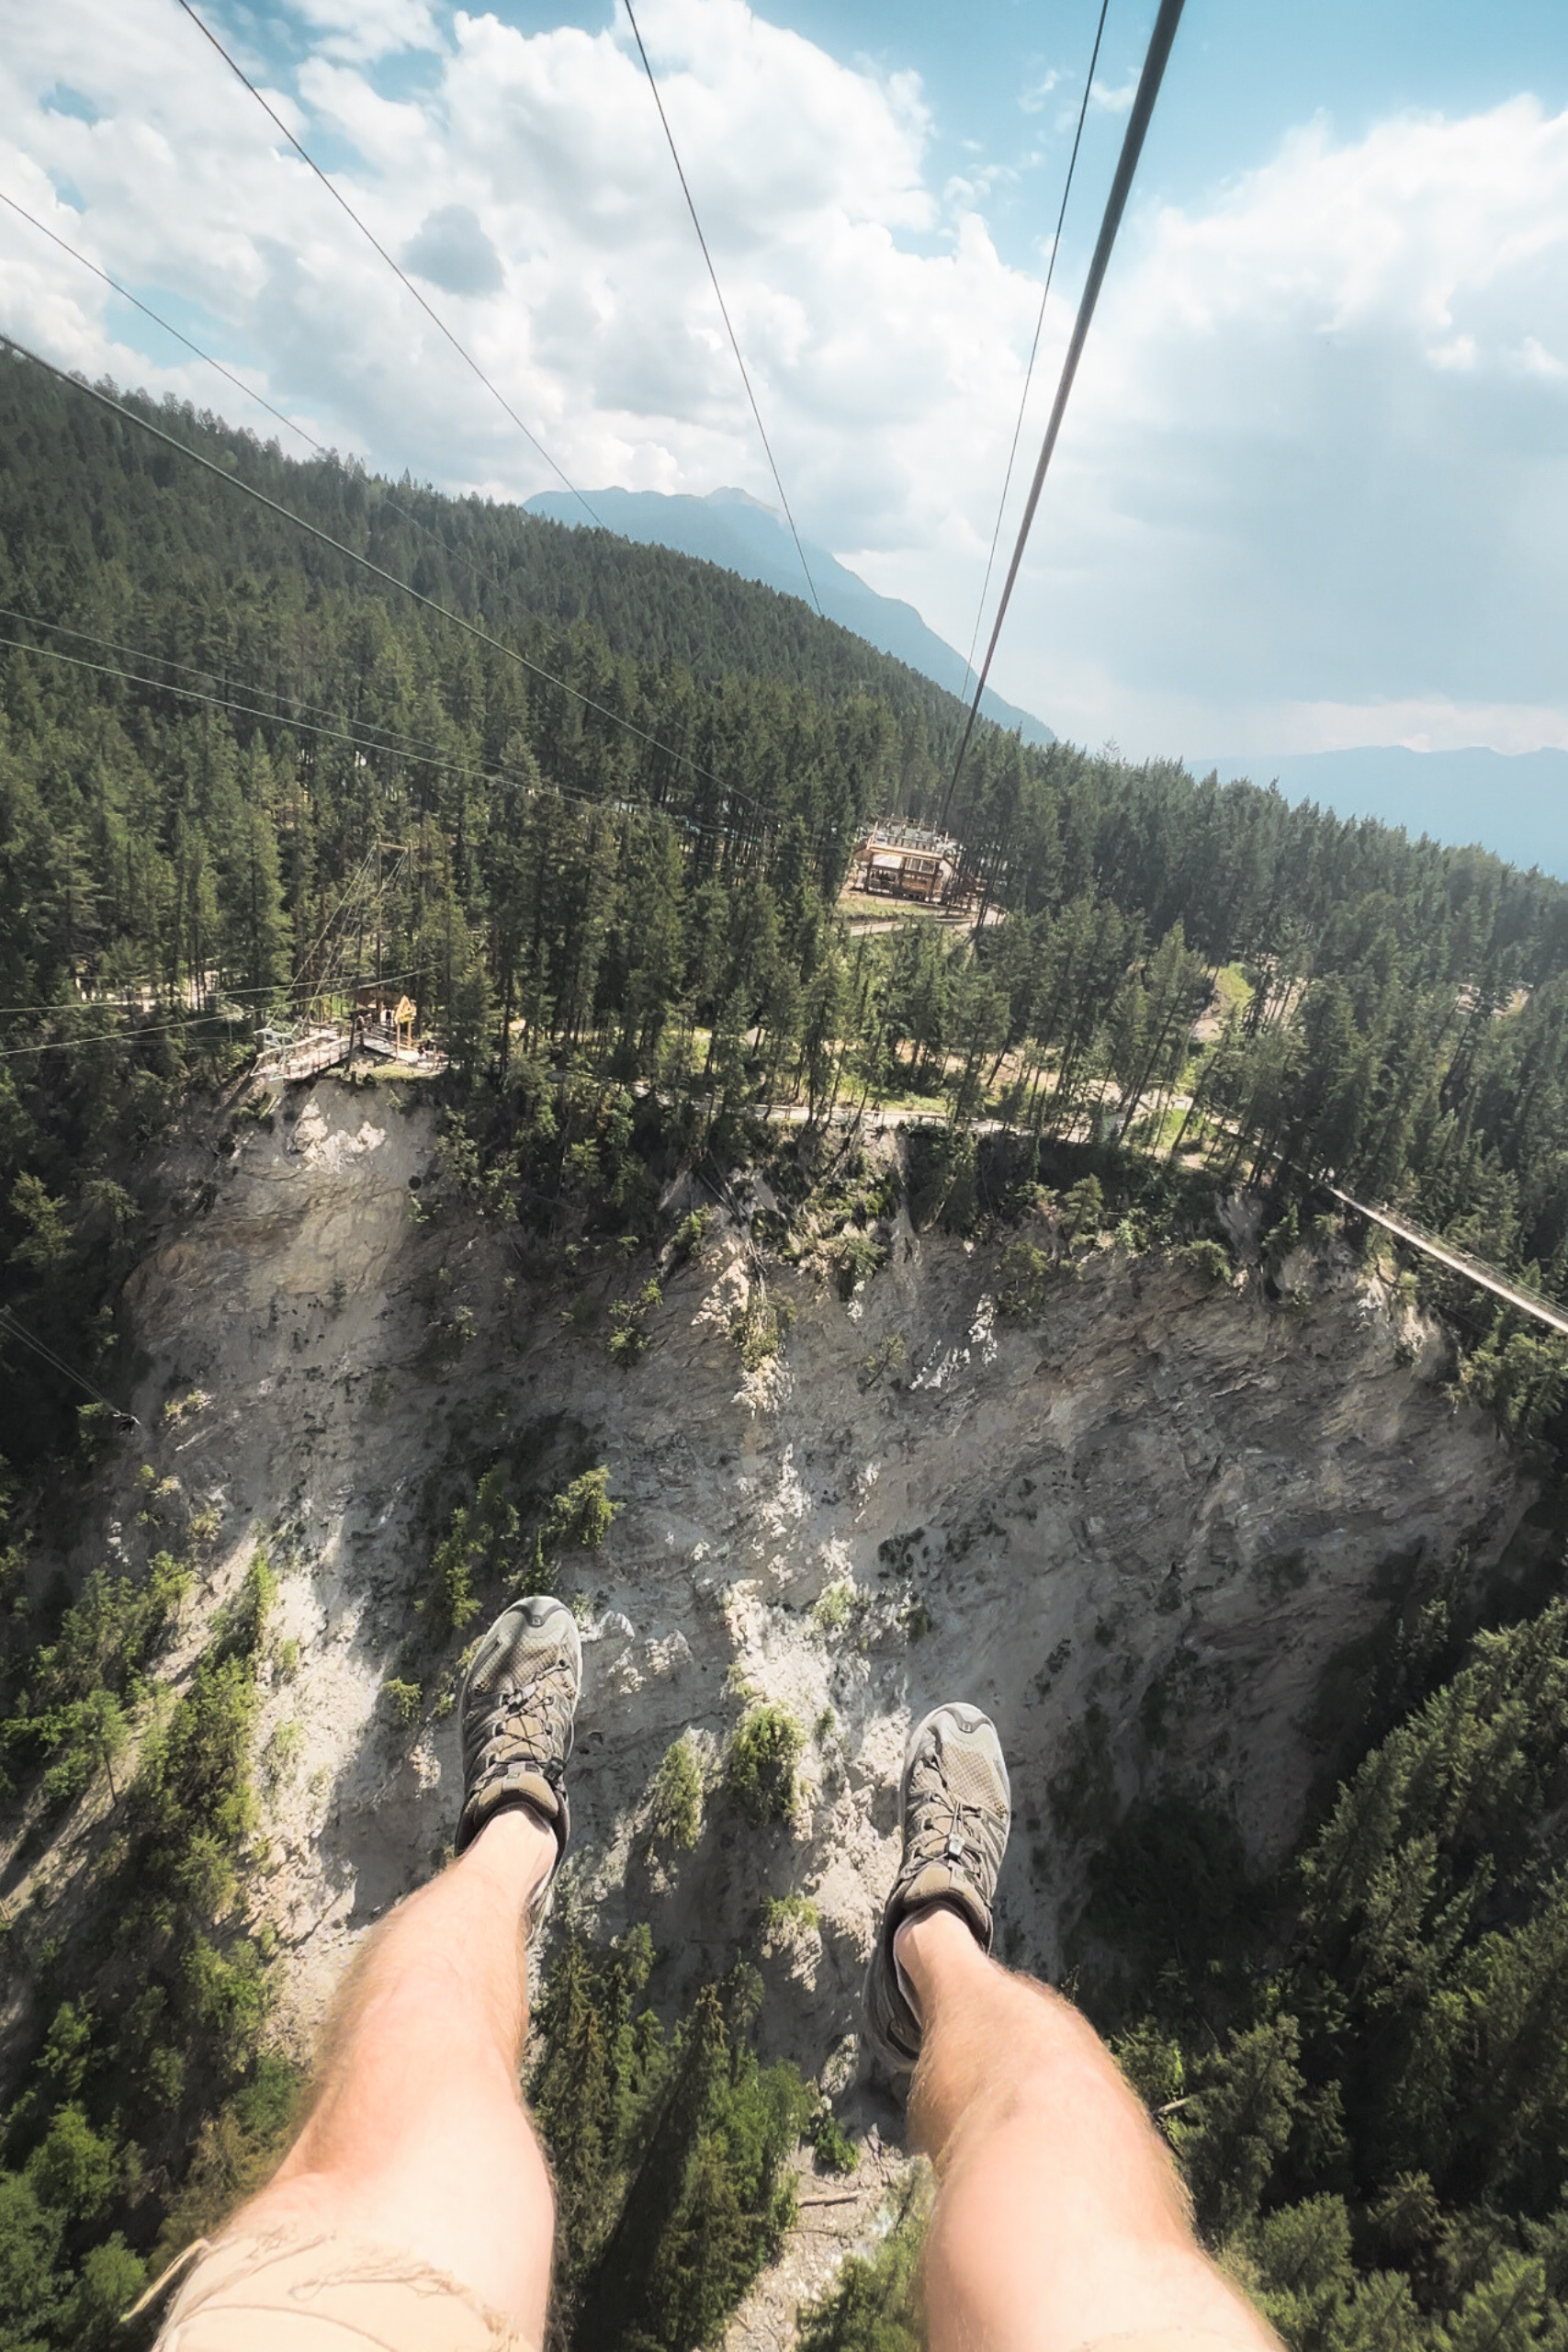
(535,1716)
(957,1842)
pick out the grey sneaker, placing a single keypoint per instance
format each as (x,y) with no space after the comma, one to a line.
(515,1718)
(954,1811)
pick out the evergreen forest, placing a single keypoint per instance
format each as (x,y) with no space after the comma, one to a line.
(592,806)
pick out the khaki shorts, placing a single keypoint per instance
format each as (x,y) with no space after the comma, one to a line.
(306,2290)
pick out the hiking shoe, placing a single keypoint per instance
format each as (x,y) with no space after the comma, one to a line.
(514,1716)
(954,1811)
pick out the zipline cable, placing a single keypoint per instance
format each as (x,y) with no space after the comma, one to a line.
(723,306)
(361,732)
(497,775)
(244,710)
(126,295)
(1149,82)
(1034,347)
(368,234)
(366,564)
(453,555)
(8,1322)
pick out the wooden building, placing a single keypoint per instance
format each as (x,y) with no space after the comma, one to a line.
(900,861)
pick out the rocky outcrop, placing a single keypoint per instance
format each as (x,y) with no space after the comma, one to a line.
(1147,1531)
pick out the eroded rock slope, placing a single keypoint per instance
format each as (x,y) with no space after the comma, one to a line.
(1147,1533)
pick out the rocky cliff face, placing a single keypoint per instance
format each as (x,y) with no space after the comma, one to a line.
(1147,1532)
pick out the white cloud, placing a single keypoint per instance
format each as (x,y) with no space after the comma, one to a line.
(365,30)
(1309,458)
(1103,100)
(1434,724)
(452,251)
(1316,463)
(1032,99)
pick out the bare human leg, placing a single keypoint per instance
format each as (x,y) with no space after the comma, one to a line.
(418,2138)
(1060,2223)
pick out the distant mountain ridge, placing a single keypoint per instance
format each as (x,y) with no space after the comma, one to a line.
(1513,803)
(735,530)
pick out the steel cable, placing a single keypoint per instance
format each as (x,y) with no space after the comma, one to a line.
(1149,82)
(366,564)
(1034,347)
(723,306)
(399,273)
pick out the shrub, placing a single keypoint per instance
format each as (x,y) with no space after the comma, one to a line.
(242,1626)
(835,1605)
(402,1700)
(110,2280)
(476,1545)
(193,1775)
(1023,1279)
(231,1991)
(1152,2062)
(628,1318)
(783,1911)
(580,1516)
(451,1600)
(760,1771)
(1083,1205)
(671,2162)
(204,1523)
(75,2167)
(30,2233)
(831,2144)
(235,2150)
(713,2197)
(874,2304)
(760,1328)
(1206,1258)
(889,1356)
(677,1797)
(446,1338)
(690,1235)
(1280,1240)
(282,1753)
(93,1732)
(856,1257)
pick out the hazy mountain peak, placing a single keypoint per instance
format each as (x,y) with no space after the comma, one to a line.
(731,528)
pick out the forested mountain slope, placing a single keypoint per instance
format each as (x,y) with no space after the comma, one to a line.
(594,850)
(1240,1507)
(740,533)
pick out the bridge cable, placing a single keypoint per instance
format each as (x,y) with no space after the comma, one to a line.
(1034,347)
(368,234)
(1149,82)
(723,306)
(162,1028)
(366,564)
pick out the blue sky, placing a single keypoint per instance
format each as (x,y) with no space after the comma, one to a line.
(1314,487)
